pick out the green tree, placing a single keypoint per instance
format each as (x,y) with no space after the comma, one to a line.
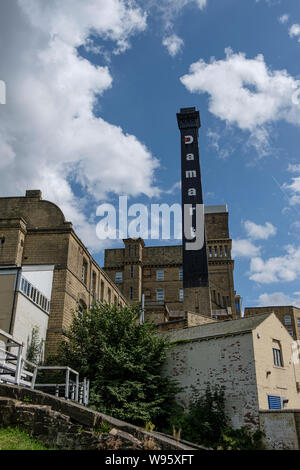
(123,360)
(35,347)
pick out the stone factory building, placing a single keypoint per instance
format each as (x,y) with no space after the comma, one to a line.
(156,272)
(288,315)
(253,358)
(45,270)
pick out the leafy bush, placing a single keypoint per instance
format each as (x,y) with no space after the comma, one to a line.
(205,423)
(123,361)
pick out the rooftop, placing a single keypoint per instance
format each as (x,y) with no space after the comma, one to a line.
(228,327)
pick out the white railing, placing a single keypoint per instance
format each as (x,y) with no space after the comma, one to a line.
(14,369)
(70,389)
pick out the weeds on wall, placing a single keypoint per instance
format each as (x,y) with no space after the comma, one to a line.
(205,423)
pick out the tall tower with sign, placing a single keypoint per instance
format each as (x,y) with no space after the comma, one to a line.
(195,263)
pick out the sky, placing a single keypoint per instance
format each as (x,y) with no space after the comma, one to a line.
(92,92)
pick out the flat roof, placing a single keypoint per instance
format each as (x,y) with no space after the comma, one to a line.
(215,209)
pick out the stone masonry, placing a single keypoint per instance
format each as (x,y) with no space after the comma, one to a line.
(135,269)
(35,232)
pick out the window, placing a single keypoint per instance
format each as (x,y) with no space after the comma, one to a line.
(94,283)
(224,302)
(277,357)
(180,274)
(34,295)
(81,307)
(84,271)
(226,250)
(219,300)
(102,291)
(131,271)
(181,295)
(135,250)
(109,295)
(119,277)
(291,332)
(213,220)
(287,320)
(160,295)
(298,321)
(216,251)
(131,293)
(160,275)
(221,251)
(274,402)
(210,252)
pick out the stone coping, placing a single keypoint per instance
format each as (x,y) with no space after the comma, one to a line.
(90,418)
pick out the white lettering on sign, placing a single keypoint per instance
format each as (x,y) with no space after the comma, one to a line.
(191,174)
(188,139)
(192,192)
(190,156)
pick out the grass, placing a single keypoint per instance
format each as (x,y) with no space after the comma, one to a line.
(15,439)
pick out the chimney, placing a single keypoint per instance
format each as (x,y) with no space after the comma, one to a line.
(34,193)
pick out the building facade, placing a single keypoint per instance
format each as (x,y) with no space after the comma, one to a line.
(157,273)
(288,315)
(34,233)
(25,298)
(252,358)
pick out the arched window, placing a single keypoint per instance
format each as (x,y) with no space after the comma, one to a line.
(81,307)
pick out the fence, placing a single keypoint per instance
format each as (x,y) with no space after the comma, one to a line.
(70,389)
(14,369)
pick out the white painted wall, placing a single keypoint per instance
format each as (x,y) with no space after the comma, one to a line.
(41,277)
(28,315)
(227,361)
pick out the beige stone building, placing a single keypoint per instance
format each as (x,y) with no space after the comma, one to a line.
(156,272)
(254,358)
(33,235)
(288,315)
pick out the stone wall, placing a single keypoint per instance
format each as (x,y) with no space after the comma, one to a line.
(67,425)
(227,361)
(281,312)
(281,429)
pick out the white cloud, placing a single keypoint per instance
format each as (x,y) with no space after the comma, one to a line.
(174,188)
(294,168)
(169,9)
(173,44)
(259,232)
(244,249)
(48,131)
(284,18)
(279,299)
(294,31)
(236,84)
(282,268)
(293,189)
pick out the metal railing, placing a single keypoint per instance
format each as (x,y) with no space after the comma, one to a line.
(70,389)
(14,369)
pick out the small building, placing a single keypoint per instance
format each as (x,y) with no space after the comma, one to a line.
(25,296)
(253,358)
(288,315)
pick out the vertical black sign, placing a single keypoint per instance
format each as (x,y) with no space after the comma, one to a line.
(195,265)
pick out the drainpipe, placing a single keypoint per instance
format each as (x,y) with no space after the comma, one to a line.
(13,312)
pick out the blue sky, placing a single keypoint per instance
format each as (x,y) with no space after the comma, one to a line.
(108,77)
